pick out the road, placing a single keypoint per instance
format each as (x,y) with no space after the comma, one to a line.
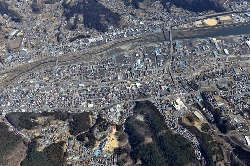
(169,97)
(236,134)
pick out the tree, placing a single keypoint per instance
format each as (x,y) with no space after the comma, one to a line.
(35,8)
(33,156)
(80,123)
(205,127)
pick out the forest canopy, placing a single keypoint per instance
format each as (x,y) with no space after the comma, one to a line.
(195,5)
(94,14)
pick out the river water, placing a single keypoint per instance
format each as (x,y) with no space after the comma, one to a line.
(215,32)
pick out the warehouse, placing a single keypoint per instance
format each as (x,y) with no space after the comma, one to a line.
(198,115)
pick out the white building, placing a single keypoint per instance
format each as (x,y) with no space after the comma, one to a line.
(198,115)
(178,104)
(247,140)
(92,40)
(226,52)
(13,32)
(248,43)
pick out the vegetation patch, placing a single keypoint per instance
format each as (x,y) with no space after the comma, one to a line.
(22,120)
(80,123)
(52,155)
(195,5)
(8,141)
(166,148)
(4,9)
(95,15)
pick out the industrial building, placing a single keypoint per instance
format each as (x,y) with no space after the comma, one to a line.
(198,115)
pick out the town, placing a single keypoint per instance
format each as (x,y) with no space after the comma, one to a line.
(202,81)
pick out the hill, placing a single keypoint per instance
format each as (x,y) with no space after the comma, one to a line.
(8,141)
(95,15)
(191,5)
(153,143)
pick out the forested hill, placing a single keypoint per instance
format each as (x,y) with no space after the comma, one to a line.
(4,9)
(95,15)
(192,5)
(153,143)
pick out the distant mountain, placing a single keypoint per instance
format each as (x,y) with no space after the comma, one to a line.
(99,17)
(191,5)
(197,5)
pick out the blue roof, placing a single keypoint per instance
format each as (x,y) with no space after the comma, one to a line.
(61,90)
(9,58)
(160,71)
(156,30)
(214,53)
(183,64)
(139,66)
(156,49)
(96,152)
(177,43)
(247,14)
(245,9)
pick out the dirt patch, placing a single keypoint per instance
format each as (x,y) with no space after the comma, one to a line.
(112,142)
(224,18)
(210,22)
(17,155)
(148,140)
(220,163)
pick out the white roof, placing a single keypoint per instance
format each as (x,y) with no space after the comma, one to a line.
(226,51)
(179,104)
(196,113)
(248,140)
(248,43)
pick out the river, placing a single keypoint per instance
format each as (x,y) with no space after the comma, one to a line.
(213,32)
